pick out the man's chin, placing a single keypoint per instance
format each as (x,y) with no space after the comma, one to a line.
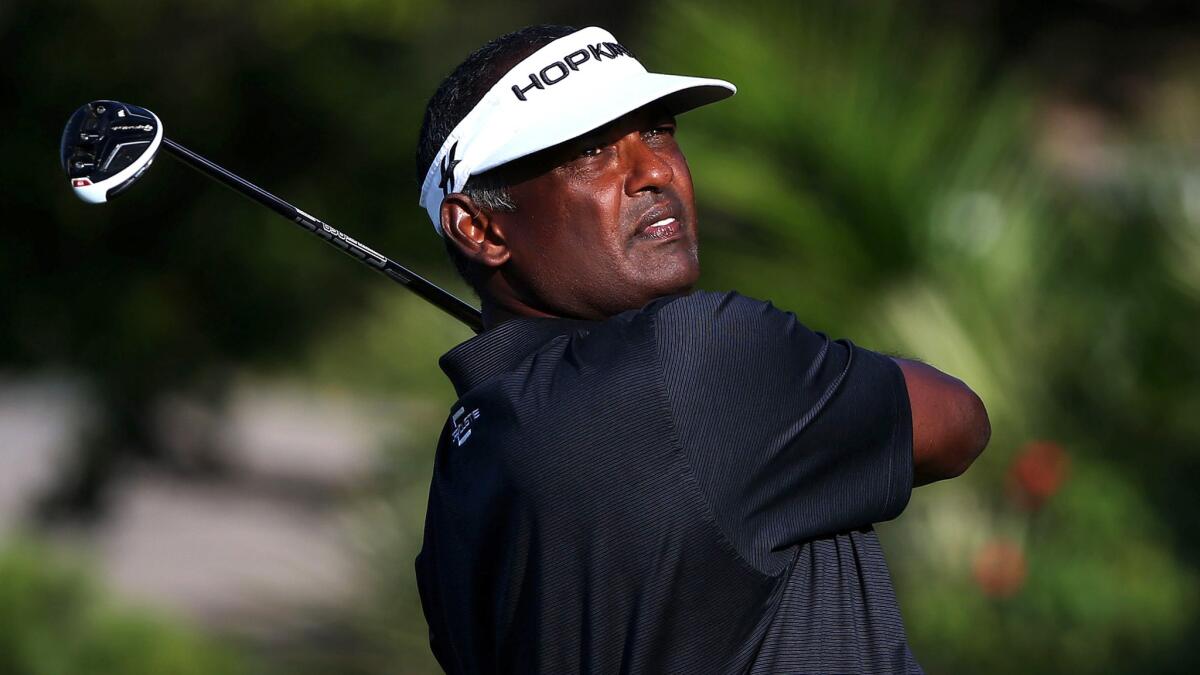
(677,280)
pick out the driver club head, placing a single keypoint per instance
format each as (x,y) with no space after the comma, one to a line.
(106,146)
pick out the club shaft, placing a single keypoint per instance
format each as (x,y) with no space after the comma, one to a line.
(396,272)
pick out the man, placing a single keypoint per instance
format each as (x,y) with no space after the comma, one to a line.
(636,478)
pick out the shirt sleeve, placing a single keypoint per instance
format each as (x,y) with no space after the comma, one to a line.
(791,435)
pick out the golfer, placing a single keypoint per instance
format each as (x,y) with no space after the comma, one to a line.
(638,477)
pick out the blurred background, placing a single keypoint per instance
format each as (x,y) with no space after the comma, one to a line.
(216,433)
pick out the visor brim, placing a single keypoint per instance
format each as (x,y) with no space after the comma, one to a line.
(582,114)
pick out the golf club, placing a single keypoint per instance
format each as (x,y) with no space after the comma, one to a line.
(107,146)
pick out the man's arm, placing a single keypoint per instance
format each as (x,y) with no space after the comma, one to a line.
(950,425)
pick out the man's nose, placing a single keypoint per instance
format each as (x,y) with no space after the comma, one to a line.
(648,170)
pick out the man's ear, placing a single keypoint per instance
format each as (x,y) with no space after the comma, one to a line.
(473,230)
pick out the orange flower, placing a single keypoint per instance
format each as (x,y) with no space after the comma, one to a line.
(1000,568)
(1037,473)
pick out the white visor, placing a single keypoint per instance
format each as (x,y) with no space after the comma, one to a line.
(569,87)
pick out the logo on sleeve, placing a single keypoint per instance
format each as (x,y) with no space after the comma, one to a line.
(462,421)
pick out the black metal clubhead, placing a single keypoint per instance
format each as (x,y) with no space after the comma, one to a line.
(106,146)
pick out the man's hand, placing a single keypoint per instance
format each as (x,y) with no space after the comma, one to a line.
(950,425)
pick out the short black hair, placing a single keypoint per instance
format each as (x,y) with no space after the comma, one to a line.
(456,96)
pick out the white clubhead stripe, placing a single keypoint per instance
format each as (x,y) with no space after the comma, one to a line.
(97,193)
(569,87)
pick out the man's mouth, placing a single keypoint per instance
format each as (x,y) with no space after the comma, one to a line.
(662,229)
(660,223)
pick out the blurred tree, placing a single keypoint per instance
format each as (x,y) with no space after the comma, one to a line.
(179,283)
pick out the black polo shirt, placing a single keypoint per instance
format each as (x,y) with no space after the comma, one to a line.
(687,488)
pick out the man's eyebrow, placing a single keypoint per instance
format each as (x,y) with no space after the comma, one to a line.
(598,135)
(603,134)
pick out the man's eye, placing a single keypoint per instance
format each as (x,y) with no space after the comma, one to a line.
(661,131)
(592,151)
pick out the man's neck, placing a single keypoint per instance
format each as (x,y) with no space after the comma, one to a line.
(496,313)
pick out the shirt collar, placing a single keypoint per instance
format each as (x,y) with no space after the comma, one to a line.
(501,348)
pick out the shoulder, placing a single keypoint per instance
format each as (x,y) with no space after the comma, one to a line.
(707,305)
(707,321)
